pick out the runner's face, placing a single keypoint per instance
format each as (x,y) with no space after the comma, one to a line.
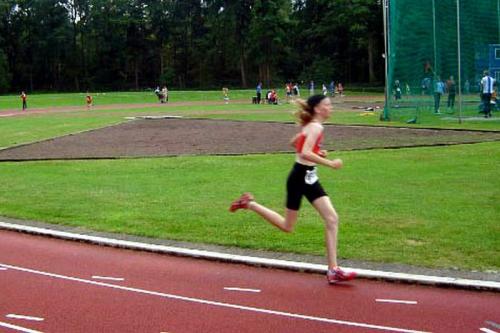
(324,109)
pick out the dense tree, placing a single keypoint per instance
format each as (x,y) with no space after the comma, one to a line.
(366,32)
(134,44)
(270,30)
(5,77)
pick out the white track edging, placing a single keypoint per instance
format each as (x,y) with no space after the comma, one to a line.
(255,261)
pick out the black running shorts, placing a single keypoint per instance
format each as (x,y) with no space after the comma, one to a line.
(302,181)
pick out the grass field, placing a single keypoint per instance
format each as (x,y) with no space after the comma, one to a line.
(434,207)
(107,98)
(78,99)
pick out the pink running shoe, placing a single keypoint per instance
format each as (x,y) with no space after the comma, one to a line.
(338,275)
(242,202)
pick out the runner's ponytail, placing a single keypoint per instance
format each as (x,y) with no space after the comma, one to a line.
(306,112)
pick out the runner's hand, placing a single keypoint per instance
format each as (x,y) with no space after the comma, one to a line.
(336,163)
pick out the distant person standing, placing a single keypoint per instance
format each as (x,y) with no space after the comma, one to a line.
(397,90)
(438,92)
(158,93)
(164,93)
(487,83)
(288,89)
(258,92)
(426,86)
(331,88)
(452,90)
(311,88)
(467,87)
(325,91)
(24,97)
(296,90)
(340,89)
(225,94)
(88,100)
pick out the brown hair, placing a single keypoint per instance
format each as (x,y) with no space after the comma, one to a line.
(306,112)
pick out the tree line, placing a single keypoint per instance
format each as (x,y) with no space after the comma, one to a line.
(76,45)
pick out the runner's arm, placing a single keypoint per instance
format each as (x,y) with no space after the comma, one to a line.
(308,154)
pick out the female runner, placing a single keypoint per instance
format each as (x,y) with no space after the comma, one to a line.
(303,181)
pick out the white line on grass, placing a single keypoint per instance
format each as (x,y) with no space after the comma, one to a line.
(18,328)
(97,277)
(15,316)
(381,300)
(214,303)
(242,289)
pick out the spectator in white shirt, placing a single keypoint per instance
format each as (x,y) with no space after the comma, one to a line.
(487,83)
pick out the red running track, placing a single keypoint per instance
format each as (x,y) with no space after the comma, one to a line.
(59,281)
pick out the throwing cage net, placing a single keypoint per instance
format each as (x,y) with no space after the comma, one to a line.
(436,54)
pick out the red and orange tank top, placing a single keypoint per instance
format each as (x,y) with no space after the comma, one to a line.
(301,139)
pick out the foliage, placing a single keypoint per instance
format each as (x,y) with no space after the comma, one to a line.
(77,45)
(4,73)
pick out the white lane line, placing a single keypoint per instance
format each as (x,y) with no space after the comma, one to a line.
(242,289)
(3,269)
(487,330)
(266,262)
(381,300)
(18,328)
(214,303)
(97,277)
(15,316)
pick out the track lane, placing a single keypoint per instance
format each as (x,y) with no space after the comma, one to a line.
(440,310)
(69,307)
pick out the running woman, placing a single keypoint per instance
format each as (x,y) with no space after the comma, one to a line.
(303,181)
(88,100)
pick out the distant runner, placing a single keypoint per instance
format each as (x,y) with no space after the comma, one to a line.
(89,100)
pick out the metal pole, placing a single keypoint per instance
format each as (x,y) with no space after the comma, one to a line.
(498,19)
(434,65)
(459,65)
(385,115)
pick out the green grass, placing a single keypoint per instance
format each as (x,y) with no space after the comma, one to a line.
(131,97)
(439,209)
(17,130)
(137,97)
(344,114)
(424,113)
(32,128)
(433,207)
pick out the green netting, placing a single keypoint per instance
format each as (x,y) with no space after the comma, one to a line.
(428,44)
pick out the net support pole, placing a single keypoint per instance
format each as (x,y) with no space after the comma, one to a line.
(459,58)
(434,65)
(385,6)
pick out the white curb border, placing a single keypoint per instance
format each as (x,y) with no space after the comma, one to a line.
(256,261)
